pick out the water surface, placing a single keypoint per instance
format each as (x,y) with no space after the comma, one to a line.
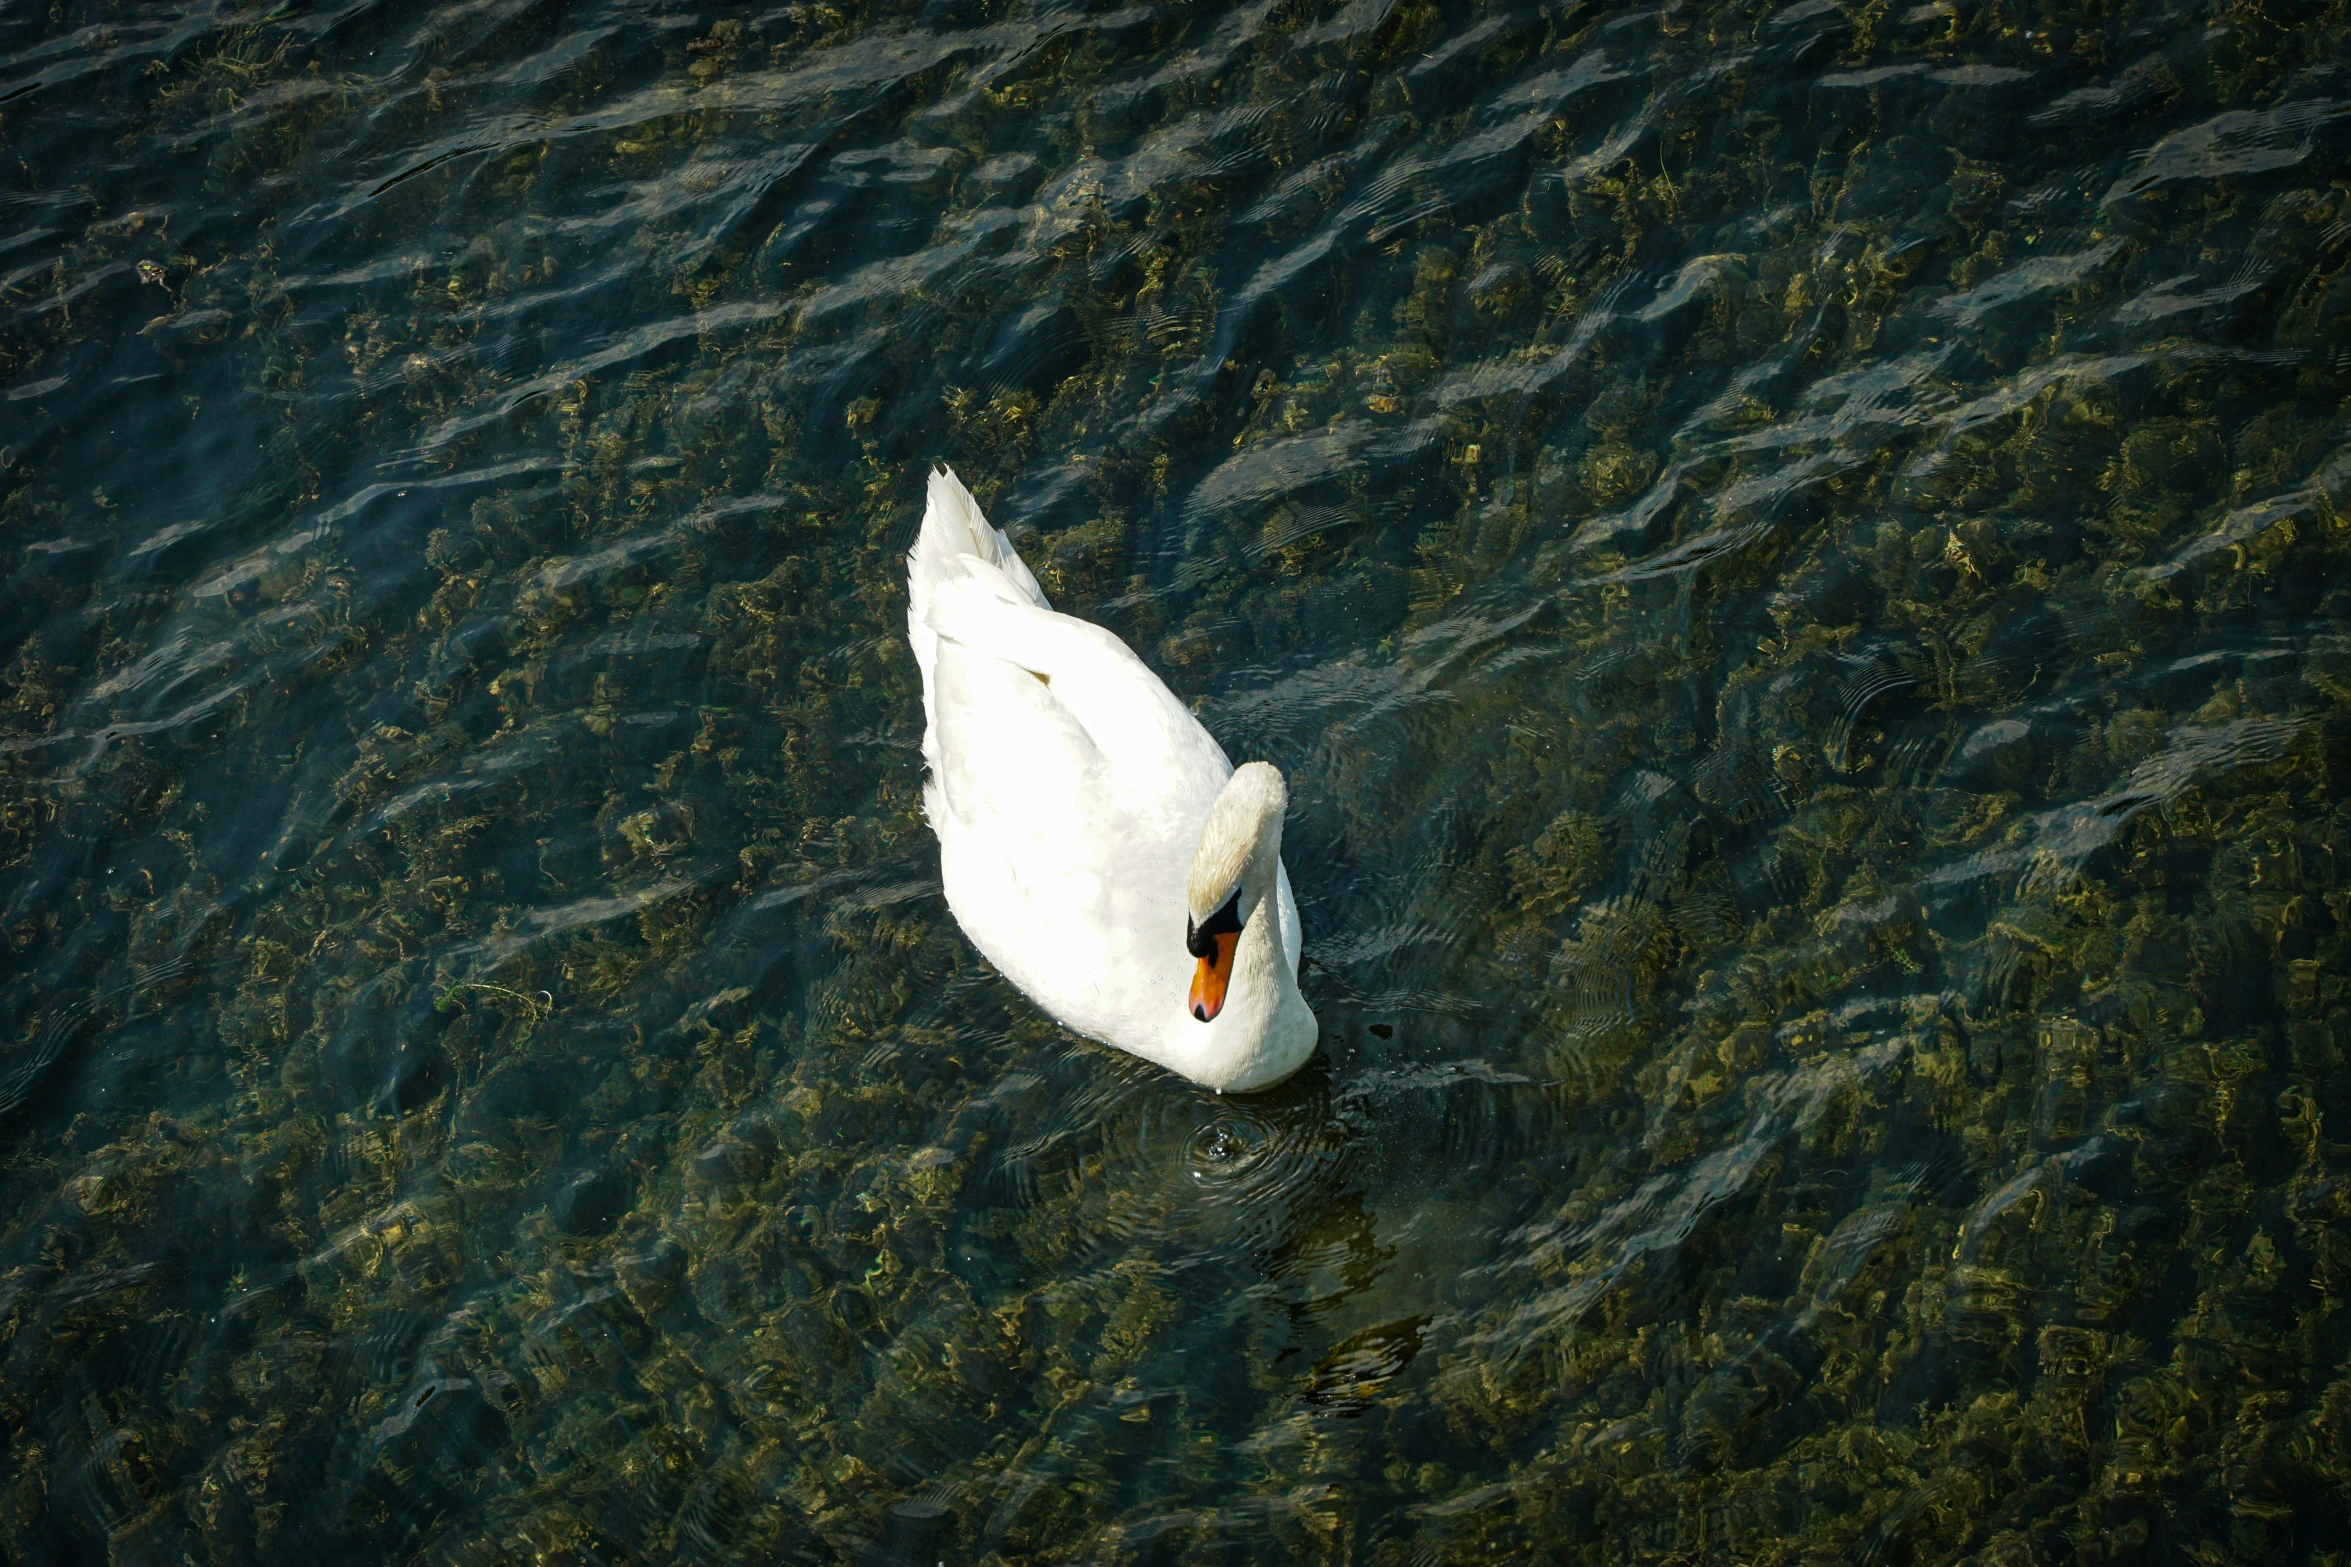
(1793,556)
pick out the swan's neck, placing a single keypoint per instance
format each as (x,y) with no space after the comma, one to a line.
(1265,1031)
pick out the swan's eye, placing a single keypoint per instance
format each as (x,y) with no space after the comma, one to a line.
(1200,938)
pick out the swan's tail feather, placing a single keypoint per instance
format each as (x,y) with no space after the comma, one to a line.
(955,542)
(952,531)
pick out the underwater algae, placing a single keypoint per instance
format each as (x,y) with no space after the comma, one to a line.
(1792,556)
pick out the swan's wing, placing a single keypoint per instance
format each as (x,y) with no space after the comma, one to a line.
(1149,745)
(1013,765)
(1050,867)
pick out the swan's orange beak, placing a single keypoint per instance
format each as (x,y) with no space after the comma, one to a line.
(1214,972)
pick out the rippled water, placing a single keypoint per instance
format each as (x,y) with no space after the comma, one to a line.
(1792,556)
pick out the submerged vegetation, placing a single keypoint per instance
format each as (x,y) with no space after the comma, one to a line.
(1794,556)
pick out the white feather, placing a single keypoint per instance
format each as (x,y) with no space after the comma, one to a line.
(1069,790)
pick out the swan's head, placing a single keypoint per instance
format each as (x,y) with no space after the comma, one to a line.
(1232,877)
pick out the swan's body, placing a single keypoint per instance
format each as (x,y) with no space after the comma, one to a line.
(1073,798)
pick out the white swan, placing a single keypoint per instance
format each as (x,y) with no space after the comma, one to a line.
(1095,844)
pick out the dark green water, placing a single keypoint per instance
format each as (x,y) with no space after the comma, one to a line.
(1794,558)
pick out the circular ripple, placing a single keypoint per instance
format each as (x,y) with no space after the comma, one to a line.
(1264,1160)
(1225,1151)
